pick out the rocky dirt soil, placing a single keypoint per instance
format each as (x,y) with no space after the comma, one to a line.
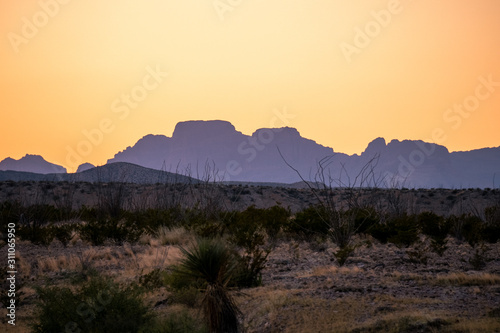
(380,288)
(379,282)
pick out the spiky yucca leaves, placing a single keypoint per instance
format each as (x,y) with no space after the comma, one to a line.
(213,263)
(219,309)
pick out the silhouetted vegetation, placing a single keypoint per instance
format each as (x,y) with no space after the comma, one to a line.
(98,305)
(233,247)
(212,263)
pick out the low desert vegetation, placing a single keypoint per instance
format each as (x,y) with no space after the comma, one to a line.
(212,267)
(463,279)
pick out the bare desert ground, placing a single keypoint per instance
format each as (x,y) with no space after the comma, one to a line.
(381,287)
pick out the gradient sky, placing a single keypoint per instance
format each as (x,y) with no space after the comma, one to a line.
(241,63)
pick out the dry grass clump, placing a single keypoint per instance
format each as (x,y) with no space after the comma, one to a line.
(138,263)
(332,270)
(419,321)
(463,279)
(155,258)
(75,238)
(404,321)
(167,236)
(266,308)
(148,239)
(62,262)
(174,236)
(24,267)
(105,253)
(398,276)
(428,322)
(128,251)
(476,325)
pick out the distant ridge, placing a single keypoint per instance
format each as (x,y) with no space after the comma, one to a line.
(217,150)
(114,172)
(85,167)
(31,163)
(255,158)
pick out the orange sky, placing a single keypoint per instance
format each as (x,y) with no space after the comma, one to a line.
(66,67)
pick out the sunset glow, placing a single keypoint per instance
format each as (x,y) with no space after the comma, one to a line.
(110,72)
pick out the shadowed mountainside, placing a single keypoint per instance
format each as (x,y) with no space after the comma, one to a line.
(114,172)
(31,163)
(217,150)
(257,158)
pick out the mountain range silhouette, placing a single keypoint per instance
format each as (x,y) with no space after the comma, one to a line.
(216,150)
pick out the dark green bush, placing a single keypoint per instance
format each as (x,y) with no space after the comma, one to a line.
(437,228)
(9,213)
(40,214)
(439,245)
(248,234)
(184,288)
(382,232)
(206,225)
(309,223)
(62,233)
(35,234)
(44,235)
(32,222)
(472,229)
(97,232)
(90,213)
(94,232)
(150,220)
(480,258)
(401,231)
(364,219)
(491,232)
(248,271)
(152,280)
(406,231)
(342,254)
(99,305)
(433,225)
(274,219)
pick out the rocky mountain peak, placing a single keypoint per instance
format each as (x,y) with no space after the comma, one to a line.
(202,129)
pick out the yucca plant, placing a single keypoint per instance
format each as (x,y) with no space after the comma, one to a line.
(213,263)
